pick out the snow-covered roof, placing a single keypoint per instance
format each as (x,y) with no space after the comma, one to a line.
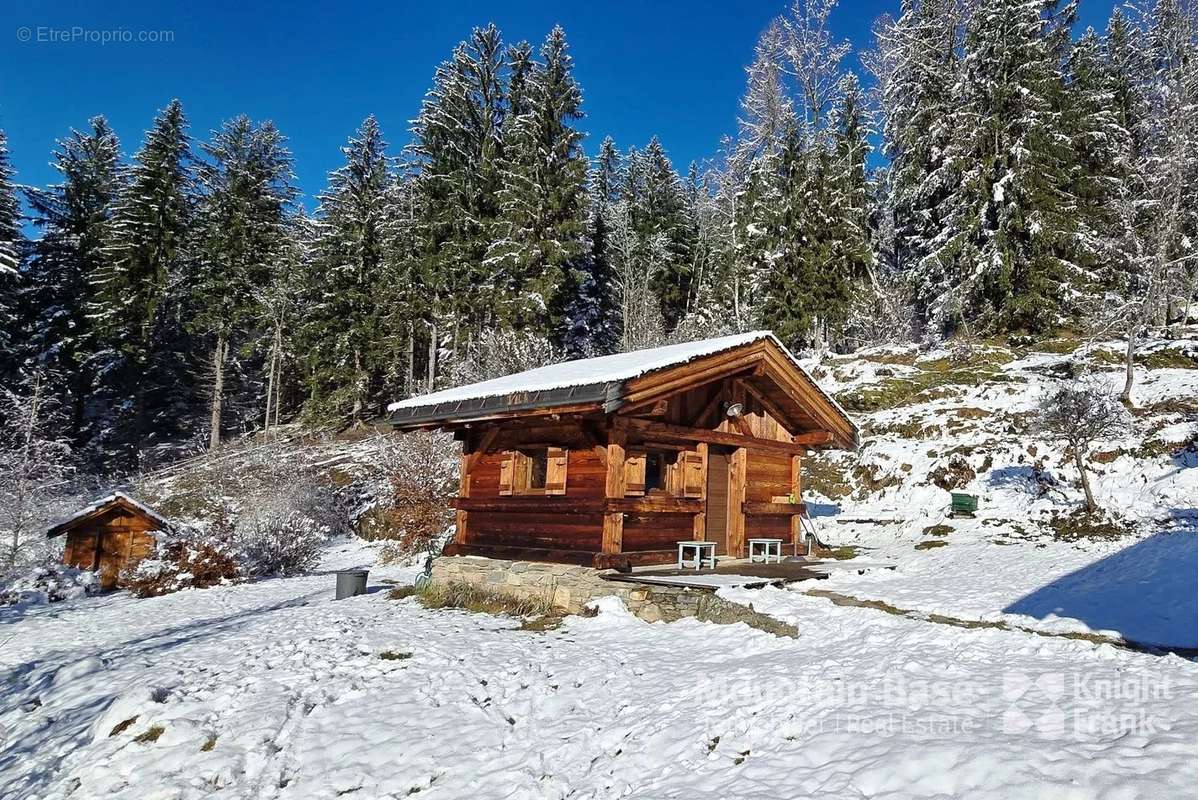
(602,370)
(101,503)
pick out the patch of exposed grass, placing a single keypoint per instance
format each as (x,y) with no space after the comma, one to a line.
(209,743)
(1080,525)
(935,379)
(724,612)
(938,530)
(843,553)
(468,597)
(150,735)
(393,655)
(1061,345)
(122,726)
(825,476)
(973,624)
(1168,358)
(545,622)
(931,544)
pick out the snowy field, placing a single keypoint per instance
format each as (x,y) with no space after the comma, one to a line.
(273,690)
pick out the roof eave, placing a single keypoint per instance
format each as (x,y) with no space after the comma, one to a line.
(602,395)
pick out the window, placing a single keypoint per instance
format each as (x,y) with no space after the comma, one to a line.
(534,471)
(647,472)
(655,471)
(538,468)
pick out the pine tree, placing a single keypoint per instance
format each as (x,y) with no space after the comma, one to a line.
(594,314)
(1103,169)
(1005,250)
(1171,151)
(241,226)
(354,223)
(74,218)
(457,149)
(144,250)
(849,191)
(542,205)
(767,110)
(12,245)
(660,211)
(919,68)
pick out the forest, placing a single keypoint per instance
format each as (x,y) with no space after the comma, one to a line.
(988,170)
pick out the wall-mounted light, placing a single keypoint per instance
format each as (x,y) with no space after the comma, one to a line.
(735,410)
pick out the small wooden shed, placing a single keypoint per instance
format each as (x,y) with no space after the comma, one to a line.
(109,535)
(611,461)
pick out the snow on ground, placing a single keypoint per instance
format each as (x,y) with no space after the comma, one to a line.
(1005,565)
(273,690)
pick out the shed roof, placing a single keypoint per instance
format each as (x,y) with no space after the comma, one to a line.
(586,380)
(102,504)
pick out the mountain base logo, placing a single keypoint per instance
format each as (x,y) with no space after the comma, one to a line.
(1063,705)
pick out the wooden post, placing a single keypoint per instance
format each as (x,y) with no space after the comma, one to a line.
(738,472)
(613,522)
(700,521)
(796,487)
(467,462)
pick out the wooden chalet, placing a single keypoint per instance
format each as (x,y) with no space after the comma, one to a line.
(611,461)
(109,536)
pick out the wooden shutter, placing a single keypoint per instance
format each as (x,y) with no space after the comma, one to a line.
(692,474)
(507,471)
(555,471)
(634,475)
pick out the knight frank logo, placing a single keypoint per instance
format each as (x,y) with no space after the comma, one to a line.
(1055,705)
(1033,704)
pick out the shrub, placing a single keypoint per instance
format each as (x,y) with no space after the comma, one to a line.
(419,473)
(189,560)
(279,543)
(47,583)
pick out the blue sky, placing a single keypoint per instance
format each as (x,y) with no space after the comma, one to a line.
(671,68)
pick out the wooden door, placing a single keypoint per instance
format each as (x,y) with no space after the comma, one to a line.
(112,551)
(717,500)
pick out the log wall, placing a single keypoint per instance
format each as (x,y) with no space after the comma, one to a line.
(110,544)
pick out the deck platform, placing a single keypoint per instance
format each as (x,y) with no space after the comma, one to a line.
(727,572)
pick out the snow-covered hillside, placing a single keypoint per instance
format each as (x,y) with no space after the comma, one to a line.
(1016,654)
(966,421)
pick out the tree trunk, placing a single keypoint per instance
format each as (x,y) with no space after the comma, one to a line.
(1091,505)
(1130,375)
(218,388)
(432,355)
(270,381)
(357,411)
(278,381)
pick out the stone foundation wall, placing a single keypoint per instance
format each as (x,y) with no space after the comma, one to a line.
(570,588)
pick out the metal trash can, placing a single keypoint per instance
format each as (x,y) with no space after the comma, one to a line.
(351,582)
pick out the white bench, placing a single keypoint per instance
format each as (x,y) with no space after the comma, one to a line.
(770,548)
(704,554)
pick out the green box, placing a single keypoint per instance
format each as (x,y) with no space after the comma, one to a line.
(964,503)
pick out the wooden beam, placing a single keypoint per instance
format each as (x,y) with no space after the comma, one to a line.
(771,509)
(769,405)
(484,445)
(814,438)
(614,486)
(737,481)
(461,518)
(742,425)
(712,404)
(680,432)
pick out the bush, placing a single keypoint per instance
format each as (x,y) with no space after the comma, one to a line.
(190,560)
(47,583)
(279,543)
(419,476)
